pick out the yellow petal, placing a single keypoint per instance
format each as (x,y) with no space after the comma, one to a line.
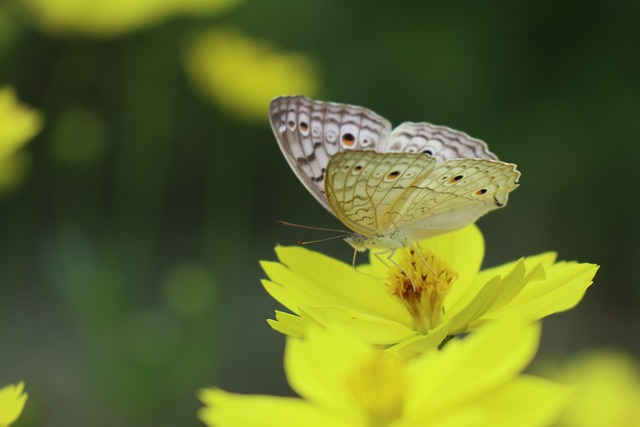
(485,276)
(290,324)
(563,288)
(233,410)
(499,292)
(307,278)
(419,344)
(516,281)
(461,317)
(524,402)
(467,368)
(370,329)
(317,366)
(464,251)
(285,295)
(546,259)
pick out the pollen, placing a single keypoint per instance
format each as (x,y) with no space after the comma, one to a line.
(421,281)
(378,384)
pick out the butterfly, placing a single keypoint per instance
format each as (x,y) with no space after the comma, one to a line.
(391,187)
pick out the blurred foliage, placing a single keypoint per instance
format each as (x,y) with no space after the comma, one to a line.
(129,273)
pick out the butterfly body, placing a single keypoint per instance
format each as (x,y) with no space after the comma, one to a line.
(390,187)
(394,240)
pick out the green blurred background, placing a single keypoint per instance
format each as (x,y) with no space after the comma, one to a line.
(129,247)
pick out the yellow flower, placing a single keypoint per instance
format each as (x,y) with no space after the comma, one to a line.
(243,75)
(344,382)
(18,124)
(12,400)
(106,18)
(425,297)
(607,394)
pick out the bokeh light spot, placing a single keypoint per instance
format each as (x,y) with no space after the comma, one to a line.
(189,289)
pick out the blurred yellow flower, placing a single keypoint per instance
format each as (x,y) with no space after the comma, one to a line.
(243,75)
(18,124)
(413,306)
(607,394)
(344,382)
(12,400)
(106,18)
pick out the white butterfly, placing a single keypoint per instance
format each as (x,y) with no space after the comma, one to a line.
(390,187)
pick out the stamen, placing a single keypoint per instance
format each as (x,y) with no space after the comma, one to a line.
(421,281)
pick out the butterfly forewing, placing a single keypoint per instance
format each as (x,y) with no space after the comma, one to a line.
(310,132)
(362,185)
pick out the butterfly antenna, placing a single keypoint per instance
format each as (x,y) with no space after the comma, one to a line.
(306,242)
(289,224)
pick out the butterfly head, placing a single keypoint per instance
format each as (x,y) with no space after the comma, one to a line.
(357,241)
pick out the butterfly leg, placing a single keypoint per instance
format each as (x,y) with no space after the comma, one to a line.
(377,255)
(390,259)
(419,252)
(353,264)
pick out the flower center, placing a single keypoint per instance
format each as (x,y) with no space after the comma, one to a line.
(379,385)
(421,281)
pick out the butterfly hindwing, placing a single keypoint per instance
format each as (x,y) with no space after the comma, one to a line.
(362,185)
(452,195)
(441,142)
